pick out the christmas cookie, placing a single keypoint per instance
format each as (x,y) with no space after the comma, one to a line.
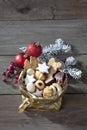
(40,75)
(47,92)
(59,88)
(49,80)
(54,66)
(59,76)
(30,87)
(31,63)
(29,79)
(30,72)
(43,68)
(54,89)
(40,84)
(38,93)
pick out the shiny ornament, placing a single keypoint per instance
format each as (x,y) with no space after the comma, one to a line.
(33,49)
(19,60)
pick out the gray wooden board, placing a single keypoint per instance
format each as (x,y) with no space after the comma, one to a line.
(42,9)
(15,34)
(75,86)
(73,115)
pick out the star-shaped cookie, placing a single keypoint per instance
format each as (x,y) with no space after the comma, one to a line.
(43,68)
(38,93)
(29,79)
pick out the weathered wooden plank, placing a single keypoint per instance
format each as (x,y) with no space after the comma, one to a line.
(75,86)
(73,115)
(72,9)
(47,9)
(15,34)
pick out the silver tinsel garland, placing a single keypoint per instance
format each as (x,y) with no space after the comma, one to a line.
(53,50)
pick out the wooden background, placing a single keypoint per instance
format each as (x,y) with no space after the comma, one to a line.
(24,21)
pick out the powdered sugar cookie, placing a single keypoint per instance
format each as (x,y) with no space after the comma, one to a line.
(29,79)
(43,68)
(30,72)
(30,87)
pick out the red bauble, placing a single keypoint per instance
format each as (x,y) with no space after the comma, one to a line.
(19,60)
(34,49)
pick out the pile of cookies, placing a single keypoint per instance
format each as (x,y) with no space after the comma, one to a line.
(43,79)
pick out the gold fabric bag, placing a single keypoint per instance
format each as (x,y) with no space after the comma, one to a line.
(29,100)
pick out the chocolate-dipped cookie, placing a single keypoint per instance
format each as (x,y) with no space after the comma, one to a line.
(49,80)
(60,77)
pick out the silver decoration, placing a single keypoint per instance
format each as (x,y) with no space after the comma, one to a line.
(75,73)
(58,46)
(59,42)
(70,61)
(52,50)
(23,49)
(66,48)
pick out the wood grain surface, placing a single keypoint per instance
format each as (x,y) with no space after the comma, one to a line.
(73,115)
(42,9)
(15,34)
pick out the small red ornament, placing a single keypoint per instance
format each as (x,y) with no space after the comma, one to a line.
(34,49)
(19,60)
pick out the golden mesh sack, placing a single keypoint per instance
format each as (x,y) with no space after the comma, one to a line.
(29,100)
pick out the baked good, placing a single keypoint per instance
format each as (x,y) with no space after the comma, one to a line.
(54,66)
(43,68)
(29,79)
(38,93)
(54,89)
(58,87)
(32,62)
(47,92)
(59,76)
(30,87)
(30,72)
(49,80)
(40,84)
(39,75)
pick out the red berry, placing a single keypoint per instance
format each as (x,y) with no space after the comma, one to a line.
(7,69)
(3,73)
(12,63)
(15,81)
(4,80)
(8,73)
(15,71)
(17,76)
(34,49)
(11,67)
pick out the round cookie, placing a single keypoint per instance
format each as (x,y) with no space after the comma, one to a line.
(40,84)
(38,93)
(30,71)
(30,87)
(59,88)
(47,92)
(39,75)
(54,89)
